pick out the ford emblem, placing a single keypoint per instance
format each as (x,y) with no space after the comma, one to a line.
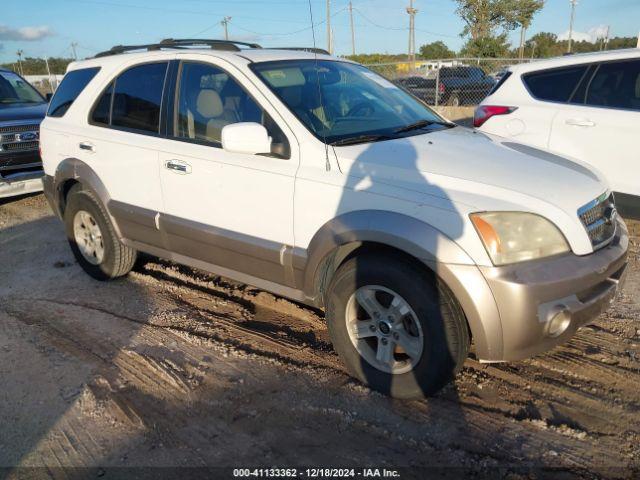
(27,137)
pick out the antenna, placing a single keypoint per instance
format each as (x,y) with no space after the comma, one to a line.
(315,54)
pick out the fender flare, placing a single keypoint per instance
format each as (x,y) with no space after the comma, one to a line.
(337,238)
(75,169)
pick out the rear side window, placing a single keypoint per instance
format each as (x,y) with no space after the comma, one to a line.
(136,98)
(555,85)
(72,85)
(497,86)
(616,85)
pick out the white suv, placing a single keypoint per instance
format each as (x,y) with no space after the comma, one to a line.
(585,107)
(316,179)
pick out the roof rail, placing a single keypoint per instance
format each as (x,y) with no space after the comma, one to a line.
(226,45)
(320,51)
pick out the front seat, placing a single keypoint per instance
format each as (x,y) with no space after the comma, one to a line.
(211,117)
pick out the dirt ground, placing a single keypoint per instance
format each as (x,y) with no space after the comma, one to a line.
(172,367)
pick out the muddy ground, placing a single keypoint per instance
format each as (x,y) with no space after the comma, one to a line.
(173,367)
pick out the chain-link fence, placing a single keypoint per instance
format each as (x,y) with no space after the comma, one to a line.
(453,82)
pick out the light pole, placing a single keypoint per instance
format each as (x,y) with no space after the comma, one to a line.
(573,14)
(329,42)
(353,32)
(19,53)
(225,23)
(412,34)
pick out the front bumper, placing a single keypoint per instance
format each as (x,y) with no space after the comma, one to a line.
(529,295)
(509,308)
(20,184)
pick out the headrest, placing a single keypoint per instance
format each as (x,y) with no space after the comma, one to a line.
(209,104)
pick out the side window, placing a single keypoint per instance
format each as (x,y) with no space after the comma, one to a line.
(208,99)
(102,111)
(137,98)
(72,85)
(555,85)
(616,85)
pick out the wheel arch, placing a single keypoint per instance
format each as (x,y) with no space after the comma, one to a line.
(381,231)
(73,171)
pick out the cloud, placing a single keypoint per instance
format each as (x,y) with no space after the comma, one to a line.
(592,35)
(26,34)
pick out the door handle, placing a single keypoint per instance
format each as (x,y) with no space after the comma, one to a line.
(178,166)
(580,122)
(86,146)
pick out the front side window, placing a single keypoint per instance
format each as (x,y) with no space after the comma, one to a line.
(73,83)
(616,85)
(137,98)
(340,101)
(556,85)
(208,99)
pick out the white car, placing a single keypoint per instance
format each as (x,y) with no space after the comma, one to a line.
(314,178)
(585,107)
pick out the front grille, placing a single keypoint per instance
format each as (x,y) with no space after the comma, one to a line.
(19,128)
(20,146)
(19,138)
(598,218)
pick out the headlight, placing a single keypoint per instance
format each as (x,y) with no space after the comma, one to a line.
(512,237)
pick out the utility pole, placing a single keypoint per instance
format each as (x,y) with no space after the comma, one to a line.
(412,34)
(534,44)
(605,44)
(73,49)
(523,35)
(20,69)
(225,23)
(573,14)
(329,43)
(353,32)
(46,62)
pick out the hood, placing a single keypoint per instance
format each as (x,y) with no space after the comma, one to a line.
(469,156)
(21,112)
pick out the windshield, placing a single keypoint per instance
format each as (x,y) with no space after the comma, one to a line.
(15,89)
(338,101)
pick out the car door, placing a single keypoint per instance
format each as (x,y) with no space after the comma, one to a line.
(231,210)
(601,126)
(120,145)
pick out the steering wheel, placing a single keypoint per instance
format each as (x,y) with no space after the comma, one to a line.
(364,109)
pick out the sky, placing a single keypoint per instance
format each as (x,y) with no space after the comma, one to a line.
(48,27)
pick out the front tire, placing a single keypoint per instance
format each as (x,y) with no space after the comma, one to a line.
(397,327)
(93,239)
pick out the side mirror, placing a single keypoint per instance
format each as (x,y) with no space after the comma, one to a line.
(49,96)
(246,137)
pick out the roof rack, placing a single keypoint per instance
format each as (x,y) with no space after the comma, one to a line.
(320,51)
(226,45)
(184,43)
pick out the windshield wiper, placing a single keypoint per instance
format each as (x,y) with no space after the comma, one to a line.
(360,139)
(421,124)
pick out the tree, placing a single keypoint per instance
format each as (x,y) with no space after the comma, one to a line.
(488,21)
(526,10)
(436,50)
(544,45)
(483,18)
(489,47)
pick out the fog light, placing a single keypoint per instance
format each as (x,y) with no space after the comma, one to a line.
(559,323)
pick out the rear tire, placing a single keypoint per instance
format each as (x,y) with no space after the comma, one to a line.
(432,318)
(93,239)
(454,100)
